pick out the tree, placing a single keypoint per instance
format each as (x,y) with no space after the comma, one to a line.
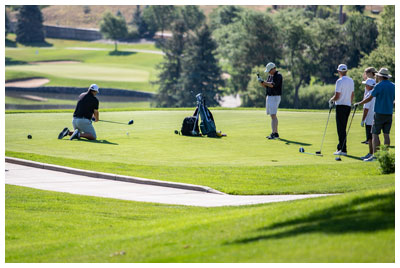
(30,25)
(200,70)
(244,44)
(298,48)
(361,32)
(387,27)
(7,24)
(159,17)
(330,48)
(113,27)
(192,16)
(171,68)
(224,15)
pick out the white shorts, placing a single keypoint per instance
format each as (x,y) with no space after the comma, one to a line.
(272,104)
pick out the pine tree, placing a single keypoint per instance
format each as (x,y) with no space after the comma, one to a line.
(201,73)
(171,68)
(30,25)
(7,23)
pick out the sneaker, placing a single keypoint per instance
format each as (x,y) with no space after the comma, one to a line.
(63,133)
(338,152)
(75,135)
(365,142)
(370,159)
(273,136)
(366,156)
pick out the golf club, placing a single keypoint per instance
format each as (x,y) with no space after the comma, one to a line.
(129,123)
(323,137)
(301,150)
(347,133)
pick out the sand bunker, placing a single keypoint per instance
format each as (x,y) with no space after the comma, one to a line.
(28,83)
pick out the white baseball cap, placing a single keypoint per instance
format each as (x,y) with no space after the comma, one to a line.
(369,82)
(342,68)
(94,87)
(269,67)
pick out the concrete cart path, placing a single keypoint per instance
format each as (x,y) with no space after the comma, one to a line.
(44,179)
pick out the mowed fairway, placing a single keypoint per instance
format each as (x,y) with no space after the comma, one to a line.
(244,162)
(133,67)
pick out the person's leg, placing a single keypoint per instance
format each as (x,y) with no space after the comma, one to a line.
(342,115)
(368,129)
(274,123)
(375,142)
(386,129)
(87,136)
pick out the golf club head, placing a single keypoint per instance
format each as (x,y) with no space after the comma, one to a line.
(301,150)
(130,122)
(338,159)
(318,152)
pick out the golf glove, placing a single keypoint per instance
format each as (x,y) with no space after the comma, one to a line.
(260,80)
(362,123)
(331,103)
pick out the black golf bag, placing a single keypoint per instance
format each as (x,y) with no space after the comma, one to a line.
(207,126)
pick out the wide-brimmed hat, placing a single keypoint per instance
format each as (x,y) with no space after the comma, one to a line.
(383,72)
(342,68)
(94,87)
(369,82)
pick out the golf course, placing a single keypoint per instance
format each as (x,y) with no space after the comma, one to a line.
(245,162)
(150,82)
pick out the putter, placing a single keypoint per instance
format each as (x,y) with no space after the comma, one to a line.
(323,137)
(347,133)
(301,150)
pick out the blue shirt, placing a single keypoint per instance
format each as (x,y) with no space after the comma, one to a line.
(384,94)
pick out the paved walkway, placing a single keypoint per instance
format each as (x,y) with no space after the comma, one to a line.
(45,179)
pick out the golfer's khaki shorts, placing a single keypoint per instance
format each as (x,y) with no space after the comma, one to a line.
(272,104)
(84,125)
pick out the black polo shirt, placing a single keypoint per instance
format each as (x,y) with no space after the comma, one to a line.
(276,81)
(86,105)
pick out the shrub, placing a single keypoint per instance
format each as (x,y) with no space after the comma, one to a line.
(386,160)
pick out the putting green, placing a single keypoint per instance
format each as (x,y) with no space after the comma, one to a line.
(243,162)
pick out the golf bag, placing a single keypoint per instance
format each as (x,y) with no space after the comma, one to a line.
(190,125)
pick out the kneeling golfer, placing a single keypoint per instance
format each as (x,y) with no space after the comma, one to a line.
(86,108)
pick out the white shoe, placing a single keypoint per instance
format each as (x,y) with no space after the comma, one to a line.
(338,152)
(370,159)
(366,156)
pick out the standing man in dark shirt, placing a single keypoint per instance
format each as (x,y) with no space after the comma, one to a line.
(273,87)
(86,108)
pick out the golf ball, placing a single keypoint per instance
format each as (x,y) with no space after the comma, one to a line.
(127,133)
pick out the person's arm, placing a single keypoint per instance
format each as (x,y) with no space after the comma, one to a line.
(365,113)
(96,115)
(366,100)
(335,97)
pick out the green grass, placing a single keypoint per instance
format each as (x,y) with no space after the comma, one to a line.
(51,101)
(43,226)
(245,162)
(131,70)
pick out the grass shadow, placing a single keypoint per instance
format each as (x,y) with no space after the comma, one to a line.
(99,141)
(361,215)
(353,157)
(10,43)
(38,44)
(120,53)
(288,142)
(10,61)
